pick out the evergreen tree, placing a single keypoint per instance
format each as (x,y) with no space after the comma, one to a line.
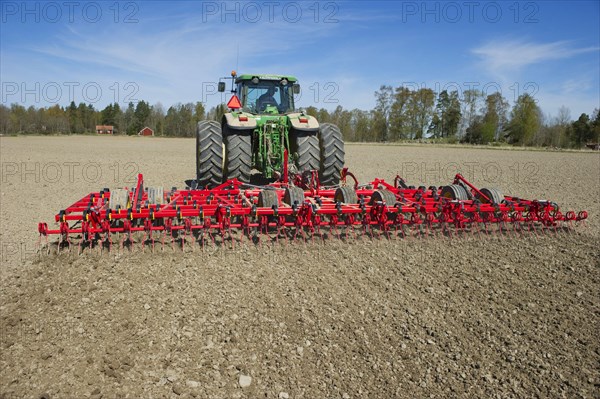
(581,130)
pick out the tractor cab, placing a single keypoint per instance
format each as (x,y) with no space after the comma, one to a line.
(264,94)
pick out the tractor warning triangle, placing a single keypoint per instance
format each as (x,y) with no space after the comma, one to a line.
(234,102)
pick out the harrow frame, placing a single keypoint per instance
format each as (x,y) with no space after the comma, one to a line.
(207,214)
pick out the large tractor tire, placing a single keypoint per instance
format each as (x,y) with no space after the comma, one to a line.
(209,154)
(306,147)
(238,154)
(331,143)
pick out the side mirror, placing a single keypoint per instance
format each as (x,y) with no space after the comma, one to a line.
(296,88)
(221,87)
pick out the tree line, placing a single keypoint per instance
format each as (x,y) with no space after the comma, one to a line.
(400,114)
(178,121)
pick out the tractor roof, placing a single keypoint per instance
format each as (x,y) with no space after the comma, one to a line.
(265,77)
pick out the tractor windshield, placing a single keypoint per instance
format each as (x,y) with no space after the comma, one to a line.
(257,97)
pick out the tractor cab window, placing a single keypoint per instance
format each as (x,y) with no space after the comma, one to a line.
(258,98)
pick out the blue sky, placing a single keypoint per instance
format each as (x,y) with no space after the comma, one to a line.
(342,51)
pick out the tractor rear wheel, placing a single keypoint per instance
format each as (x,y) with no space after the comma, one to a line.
(238,154)
(306,147)
(209,153)
(331,144)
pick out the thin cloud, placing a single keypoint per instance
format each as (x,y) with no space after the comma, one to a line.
(577,85)
(502,57)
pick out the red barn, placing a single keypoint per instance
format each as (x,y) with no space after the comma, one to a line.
(105,129)
(146,132)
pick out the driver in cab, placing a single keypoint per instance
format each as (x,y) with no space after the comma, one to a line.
(267,99)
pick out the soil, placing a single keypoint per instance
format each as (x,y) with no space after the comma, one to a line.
(491,316)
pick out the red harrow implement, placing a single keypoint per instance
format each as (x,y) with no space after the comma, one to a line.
(233,212)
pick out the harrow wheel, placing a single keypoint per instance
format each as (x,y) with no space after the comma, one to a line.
(293,195)
(346,195)
(238,154)
(209,153)
(268,199)
(383,195)
(494,194)
(331,144)
(306,148)
(455,192)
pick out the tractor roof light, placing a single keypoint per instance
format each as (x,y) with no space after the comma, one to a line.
(303,119)
(243,118)
(233,74)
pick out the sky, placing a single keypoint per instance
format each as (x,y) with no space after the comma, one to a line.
(341,51)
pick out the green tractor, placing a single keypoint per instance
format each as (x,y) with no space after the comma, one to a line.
(263,132)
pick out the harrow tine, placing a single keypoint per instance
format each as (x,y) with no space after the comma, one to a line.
(570,227)
(512,231)
(62,242)
(473,226)
(533,227)
(516,228)
(353,230)
(232,238)
(433,230)
(544,228)
(487,233)
(501,230)
(256,237)
(200,239)
(331,231)
(448,231)
(152,240)
(402,231)
(303,234)
(415,233)
(555,228)
(40,246)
